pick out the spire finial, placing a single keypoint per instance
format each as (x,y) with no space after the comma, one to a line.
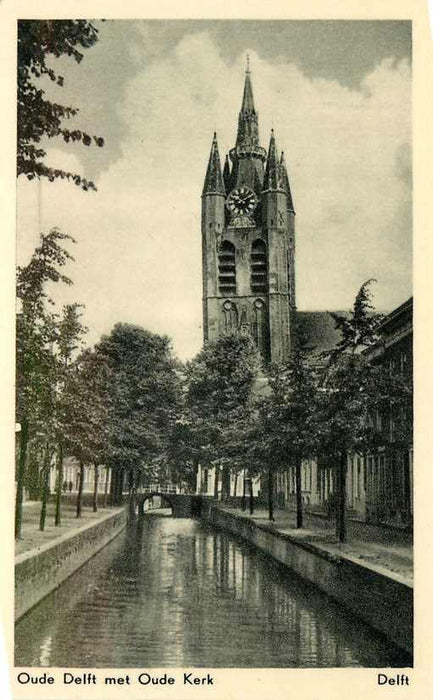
(248,63)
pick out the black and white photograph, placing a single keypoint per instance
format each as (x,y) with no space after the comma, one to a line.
(214,463)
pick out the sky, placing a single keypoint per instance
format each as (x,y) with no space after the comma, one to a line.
(338,95)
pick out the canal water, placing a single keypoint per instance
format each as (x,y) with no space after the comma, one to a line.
(174,593)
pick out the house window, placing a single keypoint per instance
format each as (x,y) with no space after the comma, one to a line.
(227,269)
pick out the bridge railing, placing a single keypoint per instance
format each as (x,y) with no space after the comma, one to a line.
(160,488)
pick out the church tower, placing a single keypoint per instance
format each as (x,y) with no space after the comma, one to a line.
(248,240)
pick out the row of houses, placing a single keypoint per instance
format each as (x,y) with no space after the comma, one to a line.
(379,485)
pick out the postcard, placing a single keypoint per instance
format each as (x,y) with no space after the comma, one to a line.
(215,221)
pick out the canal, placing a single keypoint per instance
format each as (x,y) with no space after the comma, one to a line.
(174,593)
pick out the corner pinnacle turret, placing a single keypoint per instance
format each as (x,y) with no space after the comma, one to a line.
(213,183)
(272,180)
(226,174)
(285,182)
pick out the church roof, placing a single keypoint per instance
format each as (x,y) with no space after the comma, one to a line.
(213,183)
(317,330)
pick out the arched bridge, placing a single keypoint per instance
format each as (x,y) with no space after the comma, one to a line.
(183,505)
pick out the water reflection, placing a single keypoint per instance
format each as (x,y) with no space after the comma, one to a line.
(171,592)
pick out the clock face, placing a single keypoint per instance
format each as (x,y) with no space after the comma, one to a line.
(241,201)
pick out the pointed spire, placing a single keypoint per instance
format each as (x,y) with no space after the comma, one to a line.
(213,183)
(226,174)
(248,129)
(248,99)
(285,182)
(272,180)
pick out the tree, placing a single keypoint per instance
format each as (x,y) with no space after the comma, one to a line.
(87,412)
(182,454)
(221,381)
(288,421)
(69,338)
(35,335)
(351,391)
(39,117)
(144,402)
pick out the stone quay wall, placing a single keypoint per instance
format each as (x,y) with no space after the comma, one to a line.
(39,571)
(383,601)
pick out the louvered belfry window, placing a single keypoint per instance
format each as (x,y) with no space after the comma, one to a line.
(227,269)
(259,267)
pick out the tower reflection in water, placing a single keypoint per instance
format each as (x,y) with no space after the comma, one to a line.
(172,592)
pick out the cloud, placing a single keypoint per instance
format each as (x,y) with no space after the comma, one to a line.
(138,257)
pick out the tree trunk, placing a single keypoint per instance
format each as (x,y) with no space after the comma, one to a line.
(251,497)
(341,499)
(195,486)
(32,478)
(224,483)
(119,489)
(57,518)
(95,488)
(45,486)
(215,491)
(244,494)
(80,489)
(298,483)
(112,498)
(118,486)
(132,489)
(270,494)
(22,463)
(107,475)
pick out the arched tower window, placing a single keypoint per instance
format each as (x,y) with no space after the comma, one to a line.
(227,269)
(259,267)
(230,317)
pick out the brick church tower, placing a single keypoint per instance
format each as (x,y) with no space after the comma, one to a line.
(248,239)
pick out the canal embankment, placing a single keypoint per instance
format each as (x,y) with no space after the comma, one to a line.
(371,579)
(46,559)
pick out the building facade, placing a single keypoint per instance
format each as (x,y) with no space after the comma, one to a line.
(248,240)
(379,484)
(389,469)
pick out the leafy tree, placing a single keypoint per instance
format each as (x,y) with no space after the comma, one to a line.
(352,389)
(288,421)
(87,413)
(39,117)
(182,454)
(359,329)
(35,362)
(69,339)
(144,401)
(221,380)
